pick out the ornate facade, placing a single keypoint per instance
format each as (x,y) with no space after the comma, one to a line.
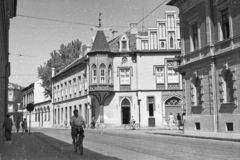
(210,36)
(131,75)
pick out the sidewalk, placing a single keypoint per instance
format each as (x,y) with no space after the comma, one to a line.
(195,134)
(38,146)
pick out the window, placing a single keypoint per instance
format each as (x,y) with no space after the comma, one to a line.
(229,87)
(102,73)
(80,85)
(80,110)
(151,105)
(85,84)
(198,92)
(144,44)
(110,74)
(195,36)
(171,42)
(70,89)
(124,45)
(162,45)
(225,24)
(65,90)
(172,76)
(159,75)
(229,126)
(125,76)
(197,125)
(94,74)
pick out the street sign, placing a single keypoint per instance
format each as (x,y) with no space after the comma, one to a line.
(30,107)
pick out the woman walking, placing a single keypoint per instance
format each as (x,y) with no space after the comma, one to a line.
(24,126)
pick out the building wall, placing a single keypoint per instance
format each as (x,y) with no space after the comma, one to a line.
(210,62)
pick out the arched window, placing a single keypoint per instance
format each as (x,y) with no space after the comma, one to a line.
(229,86)
(110,74)
(198,92)
(102,73)
(45,114)
(48,113)
(162,45)
(171,42)
(94,74)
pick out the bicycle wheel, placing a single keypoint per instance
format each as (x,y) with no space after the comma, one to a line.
(127,127)
(76,144)
(137,126)
(80,145)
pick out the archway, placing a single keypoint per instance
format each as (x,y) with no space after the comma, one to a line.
(126,111)
(173,105)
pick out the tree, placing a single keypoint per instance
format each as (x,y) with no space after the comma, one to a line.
(59,60)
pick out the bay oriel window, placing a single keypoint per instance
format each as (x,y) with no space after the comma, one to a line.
(94,74)
(125,80)
(110,75)
(102,73)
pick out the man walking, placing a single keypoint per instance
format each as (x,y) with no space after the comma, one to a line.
(8,128)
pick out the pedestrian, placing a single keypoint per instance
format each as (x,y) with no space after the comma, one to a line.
(18,124)
(24,126)
(178,121)
(171,120)
(132,122)
(93,122)
(8,128)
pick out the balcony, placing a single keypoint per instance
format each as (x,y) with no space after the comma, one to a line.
(101,87)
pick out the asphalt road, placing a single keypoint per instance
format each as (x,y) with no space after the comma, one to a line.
(130,145)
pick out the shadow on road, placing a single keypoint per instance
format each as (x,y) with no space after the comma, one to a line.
(39,146)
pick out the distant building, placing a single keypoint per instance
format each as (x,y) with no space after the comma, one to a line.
(210,64)
(15,106)
(28,98)
(8,9)
(131,75)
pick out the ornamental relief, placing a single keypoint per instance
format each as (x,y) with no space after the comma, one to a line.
(121,98)
(164,97)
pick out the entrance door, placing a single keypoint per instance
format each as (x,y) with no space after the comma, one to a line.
(126,111)
(172,106)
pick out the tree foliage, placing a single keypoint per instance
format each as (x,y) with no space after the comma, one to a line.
(59,60)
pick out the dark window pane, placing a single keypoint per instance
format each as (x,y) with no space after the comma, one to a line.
(229,86)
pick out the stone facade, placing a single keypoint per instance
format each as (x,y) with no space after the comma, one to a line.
(7,11)
(210,65)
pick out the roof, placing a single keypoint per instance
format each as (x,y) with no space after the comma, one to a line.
(14,86)
(71,65)
(100,42)
(172,2)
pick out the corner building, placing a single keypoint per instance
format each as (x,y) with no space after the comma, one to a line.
(131,75)
(210,64)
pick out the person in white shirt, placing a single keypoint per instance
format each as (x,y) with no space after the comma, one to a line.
(78,121)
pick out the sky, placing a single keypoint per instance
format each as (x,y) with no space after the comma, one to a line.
(35,38)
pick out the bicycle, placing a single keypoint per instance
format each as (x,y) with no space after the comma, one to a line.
(78,139)
(97,126)
(132,126)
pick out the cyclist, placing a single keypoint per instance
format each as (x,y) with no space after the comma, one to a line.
(132,122)
(78,121)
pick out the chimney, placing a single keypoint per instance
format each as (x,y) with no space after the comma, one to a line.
(113,34)
(133,28)
(53,71)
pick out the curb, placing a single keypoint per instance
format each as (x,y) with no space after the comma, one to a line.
(199,137)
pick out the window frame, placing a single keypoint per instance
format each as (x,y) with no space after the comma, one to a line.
(225,24)
(94,71)
(102,71)
(195,37)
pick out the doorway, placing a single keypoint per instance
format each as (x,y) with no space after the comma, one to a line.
(173,106)
(126,111)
